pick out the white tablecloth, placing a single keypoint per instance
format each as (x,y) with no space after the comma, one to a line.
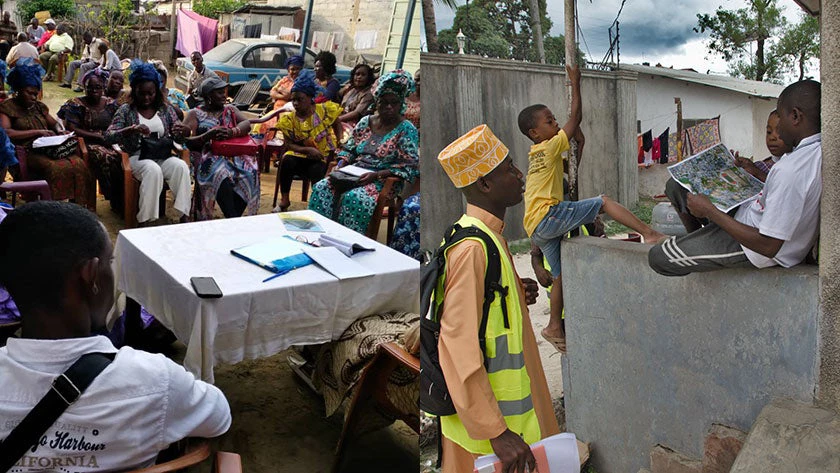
(253,319)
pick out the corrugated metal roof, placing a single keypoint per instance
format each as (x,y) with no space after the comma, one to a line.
(811,6)
(749,87)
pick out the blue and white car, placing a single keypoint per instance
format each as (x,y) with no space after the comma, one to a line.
(245,59)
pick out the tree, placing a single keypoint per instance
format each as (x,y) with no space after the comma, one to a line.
(733,32)
(214,8)
(799,44)
(512,19)
(58,8)
(429,22)
(483,38)
(555,51)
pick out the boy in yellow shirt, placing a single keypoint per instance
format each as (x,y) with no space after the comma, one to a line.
(547,217)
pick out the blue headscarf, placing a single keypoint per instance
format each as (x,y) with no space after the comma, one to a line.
(26,73)
(296,60)
(305,83)
(143,71)
(7,150)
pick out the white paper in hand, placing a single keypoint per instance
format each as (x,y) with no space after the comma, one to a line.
(354,170)
(340,266)
(47,141)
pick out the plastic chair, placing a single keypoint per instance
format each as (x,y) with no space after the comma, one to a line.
(387,206)
(131,188)
(196,452)
(371,388)
(281,151)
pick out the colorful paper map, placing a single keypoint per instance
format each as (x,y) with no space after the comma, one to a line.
(713,172)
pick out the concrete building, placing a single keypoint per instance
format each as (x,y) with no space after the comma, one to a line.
(743,105)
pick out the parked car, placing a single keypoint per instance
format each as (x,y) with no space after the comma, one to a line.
(244,59)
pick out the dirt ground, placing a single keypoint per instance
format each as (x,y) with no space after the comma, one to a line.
(279,424)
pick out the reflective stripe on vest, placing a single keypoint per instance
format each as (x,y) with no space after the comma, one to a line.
(505,361)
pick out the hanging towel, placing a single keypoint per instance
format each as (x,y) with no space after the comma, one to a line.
(641,151)
(365,40)
(703,136)
(663,146)
(321,41)
(647,145)
(656,151)
(289,34)
(200,34)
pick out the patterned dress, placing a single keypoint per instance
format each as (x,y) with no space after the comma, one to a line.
(68,178)
(103,159)
(406,237)
(212,170)
(285,83)
(395,152)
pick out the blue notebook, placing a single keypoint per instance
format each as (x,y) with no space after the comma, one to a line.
(278,255)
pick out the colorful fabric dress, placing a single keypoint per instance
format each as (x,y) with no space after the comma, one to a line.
(406,237)
(177,99)
(412,112)
(212,170)
(356,100)
(395,152)
(102,159)
(68,178)
(285,83)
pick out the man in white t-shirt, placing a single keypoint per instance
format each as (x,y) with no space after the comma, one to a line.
(781,224)
(64,288)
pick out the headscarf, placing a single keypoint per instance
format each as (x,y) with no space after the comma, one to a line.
(296,60)
(143,71)
(397,82)
(209,85)
(305,83)
(26,73)
(99,73)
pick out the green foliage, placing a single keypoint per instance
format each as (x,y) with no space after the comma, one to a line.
(214,8)
(501,29)
(57,8)
(799,44)
(757,41)
(113,20)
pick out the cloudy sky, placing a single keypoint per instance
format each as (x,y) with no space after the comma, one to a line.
(655,31)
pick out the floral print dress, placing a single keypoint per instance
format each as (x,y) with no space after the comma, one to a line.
(102,159)
(397,152)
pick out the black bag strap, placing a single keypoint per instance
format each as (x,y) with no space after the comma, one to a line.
(65,390)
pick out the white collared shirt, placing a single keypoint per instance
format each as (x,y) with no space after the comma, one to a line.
(135,408)
(788,208)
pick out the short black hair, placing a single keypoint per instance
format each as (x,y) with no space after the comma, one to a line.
(371,77)
(774,112)
(41,244)
(328,61)
(804,95)
(527,118)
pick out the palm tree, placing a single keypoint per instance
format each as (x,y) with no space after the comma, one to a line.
(429,21)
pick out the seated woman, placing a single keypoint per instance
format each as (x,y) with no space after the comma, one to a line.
(312,133)
(25,119)
(233,182)
(356,97)
(324,69)
(148,115)
(281,93)
(385,143)
(89,116)
(406,237)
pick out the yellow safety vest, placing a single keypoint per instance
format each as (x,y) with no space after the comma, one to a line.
(505,361)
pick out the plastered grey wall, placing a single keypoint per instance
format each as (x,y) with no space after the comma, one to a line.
(658,360)
(829,382)
(461,92)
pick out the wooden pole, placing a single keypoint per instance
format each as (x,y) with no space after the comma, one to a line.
(571,59)
(679,129)
(172,37)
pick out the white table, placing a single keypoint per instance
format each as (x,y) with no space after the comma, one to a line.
(253,319)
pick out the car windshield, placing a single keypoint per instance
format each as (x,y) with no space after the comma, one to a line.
(223,52)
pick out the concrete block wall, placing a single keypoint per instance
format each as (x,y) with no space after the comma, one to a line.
(350,16)
(655,360)
(466,91)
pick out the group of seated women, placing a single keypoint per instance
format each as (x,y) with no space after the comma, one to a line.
(145,116)
(364,124)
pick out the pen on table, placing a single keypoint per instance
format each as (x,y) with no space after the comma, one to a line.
(275,276)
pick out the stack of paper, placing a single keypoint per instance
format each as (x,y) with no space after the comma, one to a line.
(348,248)
(336,263)
(354,170)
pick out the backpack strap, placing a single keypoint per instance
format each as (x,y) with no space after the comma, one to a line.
(65,390)
(492,276)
